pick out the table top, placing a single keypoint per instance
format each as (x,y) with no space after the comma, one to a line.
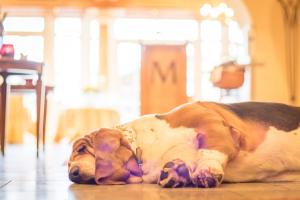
(12,66)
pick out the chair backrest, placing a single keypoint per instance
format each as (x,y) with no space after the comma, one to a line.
(228,77)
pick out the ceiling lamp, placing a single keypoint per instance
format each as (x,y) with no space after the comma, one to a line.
(216,11)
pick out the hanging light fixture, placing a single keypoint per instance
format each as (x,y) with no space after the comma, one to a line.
(219,10)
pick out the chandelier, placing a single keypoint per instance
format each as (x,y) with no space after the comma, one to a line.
(220,11)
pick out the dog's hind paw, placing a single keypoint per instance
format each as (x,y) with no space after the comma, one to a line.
(174,174)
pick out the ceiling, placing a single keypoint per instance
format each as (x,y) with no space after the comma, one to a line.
(179,4)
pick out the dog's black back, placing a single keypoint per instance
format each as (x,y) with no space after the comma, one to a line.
(281,116)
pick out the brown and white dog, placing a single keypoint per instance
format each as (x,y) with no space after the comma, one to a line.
(197,144)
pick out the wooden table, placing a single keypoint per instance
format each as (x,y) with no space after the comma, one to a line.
(10,67)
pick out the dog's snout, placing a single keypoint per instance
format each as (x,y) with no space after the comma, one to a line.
(74,174)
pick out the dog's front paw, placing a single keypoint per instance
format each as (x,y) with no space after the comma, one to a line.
(206,178)
(174,174)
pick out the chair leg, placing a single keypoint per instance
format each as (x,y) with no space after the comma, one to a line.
(4,91)
(45,118)
(40,93)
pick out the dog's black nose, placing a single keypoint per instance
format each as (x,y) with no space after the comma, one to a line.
(74,174)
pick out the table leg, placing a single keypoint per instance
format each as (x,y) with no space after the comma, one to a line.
(40,95)
(4,92)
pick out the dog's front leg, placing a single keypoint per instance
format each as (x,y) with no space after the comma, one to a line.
(200,168)
(177,166)
(209,170)
(175,173)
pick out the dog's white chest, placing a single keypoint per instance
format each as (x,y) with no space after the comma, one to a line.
(161,143)
(278,153)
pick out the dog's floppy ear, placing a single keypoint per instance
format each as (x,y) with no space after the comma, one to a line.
(111,151)
(105,145)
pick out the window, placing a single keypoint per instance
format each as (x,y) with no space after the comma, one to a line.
(191,67)
(74,44)
(237,42)
(211,50)
(26,34)
(67,59)
(24,24)
(128,75)
(76,59)
(94,43)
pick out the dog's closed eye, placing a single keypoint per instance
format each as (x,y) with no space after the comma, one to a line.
(81,149)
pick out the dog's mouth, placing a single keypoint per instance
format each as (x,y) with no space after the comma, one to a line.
(91,181)
(77,175)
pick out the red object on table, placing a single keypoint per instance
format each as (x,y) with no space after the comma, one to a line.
(7,50)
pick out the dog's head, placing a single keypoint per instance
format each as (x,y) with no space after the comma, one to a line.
(103,157)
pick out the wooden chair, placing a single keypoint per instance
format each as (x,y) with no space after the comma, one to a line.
(30,86)
(227,77)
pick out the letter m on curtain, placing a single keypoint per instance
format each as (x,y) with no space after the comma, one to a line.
(163,78)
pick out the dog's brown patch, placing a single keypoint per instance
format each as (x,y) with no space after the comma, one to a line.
(223,130)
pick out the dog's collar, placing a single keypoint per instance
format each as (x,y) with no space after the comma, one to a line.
(131,136)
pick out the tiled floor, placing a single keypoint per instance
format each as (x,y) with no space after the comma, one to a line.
(24,177)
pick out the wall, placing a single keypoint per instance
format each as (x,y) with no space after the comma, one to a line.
(268,47)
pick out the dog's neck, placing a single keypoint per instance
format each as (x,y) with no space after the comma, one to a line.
(131,136)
